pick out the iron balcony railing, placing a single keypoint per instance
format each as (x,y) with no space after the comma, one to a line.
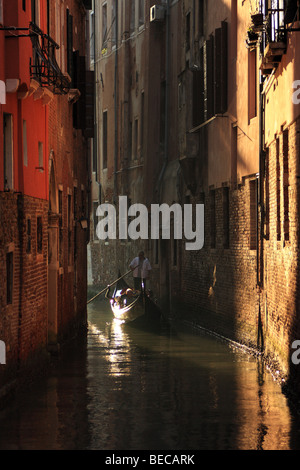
(43,66)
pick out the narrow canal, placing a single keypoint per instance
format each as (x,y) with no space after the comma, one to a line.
(121,388)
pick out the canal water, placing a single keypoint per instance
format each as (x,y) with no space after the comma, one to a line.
(121,388)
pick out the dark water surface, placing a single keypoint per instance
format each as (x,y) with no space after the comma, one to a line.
(127,389)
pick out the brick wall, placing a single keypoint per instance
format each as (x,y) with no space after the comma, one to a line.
(69,151)
(281,269)
(24,316)
(216,287)
(218,283)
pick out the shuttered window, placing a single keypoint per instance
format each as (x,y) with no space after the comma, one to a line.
(224,67)
(39,235)
(70,45)
(220,72)
(253,214)
(292,11)
(286,184)
(198,94)
(1,11)
(278,189)
(267,210)
(210,83)
(209,94)
(83,109)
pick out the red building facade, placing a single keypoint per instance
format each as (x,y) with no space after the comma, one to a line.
(42,151)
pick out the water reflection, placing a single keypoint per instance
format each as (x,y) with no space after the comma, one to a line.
(120,388)
(116,346)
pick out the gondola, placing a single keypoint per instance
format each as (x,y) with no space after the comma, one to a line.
(131,306)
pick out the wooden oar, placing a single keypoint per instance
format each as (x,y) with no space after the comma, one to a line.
(107,287)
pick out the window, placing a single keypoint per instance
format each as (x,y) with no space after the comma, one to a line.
(141,12)
(9,277)
(35,12)
(285,149)
(70,228)
(104,26)
(252,111)
(41,156)
(83,206)
(210,83)
(226,216)
(60,209)
(197,103)
(201,18)
(28,233)
(113,23)
(60,34)
(92,36)
(1,12)
(48,17)
(220,69)
(276,19)
(132,16)
(8,151)
(188,32)
(253,214)
(70,63)
(69,211)
(75,208)
(104,139)
(292,12)
(278,189)
(213,228)
(39,234)
(25,154)
(267,208)
(208,68)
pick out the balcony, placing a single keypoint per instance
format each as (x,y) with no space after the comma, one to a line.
(274,36)
(44,68)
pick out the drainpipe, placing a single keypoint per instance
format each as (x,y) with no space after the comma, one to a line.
(95,140)
(260,189)
(116,109)
(166,152)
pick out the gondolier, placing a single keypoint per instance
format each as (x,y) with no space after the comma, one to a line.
(141,268)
